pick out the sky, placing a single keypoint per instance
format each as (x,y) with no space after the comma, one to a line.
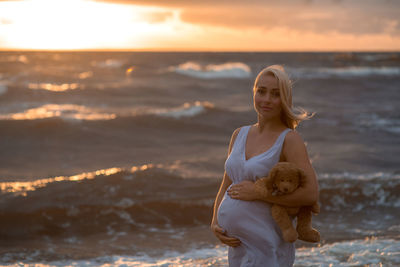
(203,25)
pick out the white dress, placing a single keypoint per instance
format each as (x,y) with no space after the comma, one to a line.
(251,221)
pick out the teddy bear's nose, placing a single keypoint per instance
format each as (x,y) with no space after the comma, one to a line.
(285,189)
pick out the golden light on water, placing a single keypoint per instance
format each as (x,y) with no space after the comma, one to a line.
(130,70)
(85,75)
(23,187)
(53,87)
(67,111)
(142,168)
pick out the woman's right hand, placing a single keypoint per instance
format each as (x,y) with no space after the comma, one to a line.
(221,235)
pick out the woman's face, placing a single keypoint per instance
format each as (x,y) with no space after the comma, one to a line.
(267,100)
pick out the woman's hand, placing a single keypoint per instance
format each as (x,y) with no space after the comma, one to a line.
(244,191)
(221,235)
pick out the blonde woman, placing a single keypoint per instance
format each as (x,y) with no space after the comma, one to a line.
(242,218)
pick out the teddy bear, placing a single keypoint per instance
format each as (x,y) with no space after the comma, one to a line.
(285,178)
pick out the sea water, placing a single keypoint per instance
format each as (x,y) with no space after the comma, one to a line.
(115,158)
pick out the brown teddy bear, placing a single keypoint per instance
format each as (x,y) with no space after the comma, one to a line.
(284,178)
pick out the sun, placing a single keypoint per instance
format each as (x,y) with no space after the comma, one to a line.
(72,24)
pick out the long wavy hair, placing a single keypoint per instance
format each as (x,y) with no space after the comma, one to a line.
(290,116)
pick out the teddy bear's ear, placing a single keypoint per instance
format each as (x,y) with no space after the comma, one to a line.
(302,176)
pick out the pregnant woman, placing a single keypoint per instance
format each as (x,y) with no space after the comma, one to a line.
(242,218)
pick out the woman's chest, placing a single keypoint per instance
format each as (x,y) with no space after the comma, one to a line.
(255,146)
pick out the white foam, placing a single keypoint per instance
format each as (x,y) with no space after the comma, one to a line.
(348,176)
(196,257)
(374,121)
(186,110)
(66,111)
(125,203)
(73,240)
(109,63)
(363,71)
(125,216)
(212,71)
(379,57)
(374,188)
(345,72)
(370,251)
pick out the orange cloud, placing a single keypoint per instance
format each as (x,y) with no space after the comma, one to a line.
(156,16)
(323,16)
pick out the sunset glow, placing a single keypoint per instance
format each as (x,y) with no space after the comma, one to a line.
(74,24)
(192,26)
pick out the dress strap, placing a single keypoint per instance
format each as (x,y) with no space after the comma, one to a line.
(240,136)
(281,139)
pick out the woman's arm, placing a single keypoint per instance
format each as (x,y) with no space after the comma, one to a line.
(294,151)
(226,182)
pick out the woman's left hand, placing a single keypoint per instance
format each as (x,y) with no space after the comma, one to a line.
(244,191)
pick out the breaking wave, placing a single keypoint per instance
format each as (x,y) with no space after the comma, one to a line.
(376,122)
(154,196)
(344,72)
(66,111)
(80,112)
(355,192)
(213,71)
(135,198)
(186,110)
(108,63)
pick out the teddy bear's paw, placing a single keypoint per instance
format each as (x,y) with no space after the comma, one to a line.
(290,235)
(311,235)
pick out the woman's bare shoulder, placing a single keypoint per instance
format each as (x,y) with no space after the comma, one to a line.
(294,146)
(293,138)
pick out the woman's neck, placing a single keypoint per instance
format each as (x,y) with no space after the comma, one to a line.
(269,125)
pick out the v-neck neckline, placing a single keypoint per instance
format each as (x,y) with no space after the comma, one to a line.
(269,149)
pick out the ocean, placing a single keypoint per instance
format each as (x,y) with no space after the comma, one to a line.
(115,158)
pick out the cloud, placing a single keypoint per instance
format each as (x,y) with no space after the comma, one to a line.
(359,17)
(156,16)
(339,18)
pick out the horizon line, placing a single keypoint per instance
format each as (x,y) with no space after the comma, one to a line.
(195,51)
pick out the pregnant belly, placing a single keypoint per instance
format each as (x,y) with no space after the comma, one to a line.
(237,216)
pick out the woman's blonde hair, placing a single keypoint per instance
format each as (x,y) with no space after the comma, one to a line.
(290,116)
